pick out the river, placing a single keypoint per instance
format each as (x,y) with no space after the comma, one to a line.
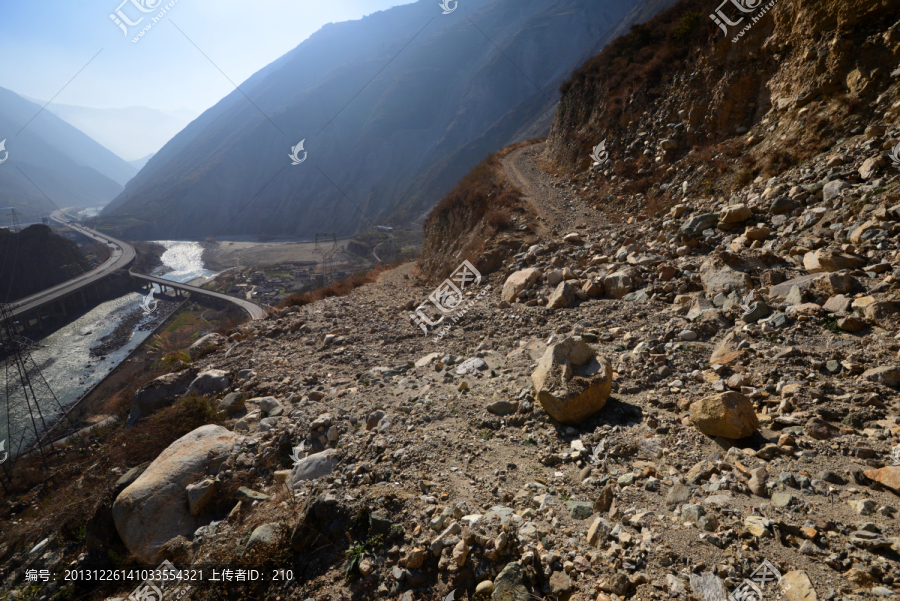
(65,360)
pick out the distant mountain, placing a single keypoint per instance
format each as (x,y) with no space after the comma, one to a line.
(62,162)
(139,164)
(131,132)
(395,95)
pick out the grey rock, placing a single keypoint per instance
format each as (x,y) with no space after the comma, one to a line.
(580,510)
(471,366)
(267,534)
(508,585)
(315,466)
(209,382)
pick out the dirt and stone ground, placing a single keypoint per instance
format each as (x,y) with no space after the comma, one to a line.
(446,474)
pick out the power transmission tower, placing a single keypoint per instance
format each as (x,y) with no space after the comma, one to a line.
(327,248)
(33,412)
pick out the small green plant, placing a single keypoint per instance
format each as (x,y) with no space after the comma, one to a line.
(356,551)
(565,496)
(831,324)
(685,28)
(485,434)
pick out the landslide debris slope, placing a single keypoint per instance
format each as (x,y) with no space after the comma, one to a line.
(750,325)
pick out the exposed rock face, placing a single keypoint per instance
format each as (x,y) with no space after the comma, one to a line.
(572,383)
(154,509)
(729,415)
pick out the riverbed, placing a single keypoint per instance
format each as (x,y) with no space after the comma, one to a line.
(64,359)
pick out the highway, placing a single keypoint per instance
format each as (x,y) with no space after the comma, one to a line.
(254,310)
(121,255)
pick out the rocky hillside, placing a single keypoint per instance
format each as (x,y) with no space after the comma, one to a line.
(640,402)
(687,112)
(36,259)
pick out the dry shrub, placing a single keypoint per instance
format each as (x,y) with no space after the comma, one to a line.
(339,288)
(499,219)
(777,161)
(639,58)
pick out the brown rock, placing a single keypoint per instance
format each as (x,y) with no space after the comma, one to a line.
(884,313)
(834,283)
(729,415)
(851,323)
(819,429)
(604,500)
(837,304)
(571,381)
(887,476)
(727,353)
(519,281)
(717,277)
(563,296)
(828,260)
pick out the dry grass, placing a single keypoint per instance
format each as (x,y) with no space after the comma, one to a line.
(339,288)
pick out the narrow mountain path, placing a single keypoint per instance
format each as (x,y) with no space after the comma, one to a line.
(552,199)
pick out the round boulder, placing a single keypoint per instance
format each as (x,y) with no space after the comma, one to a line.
(729,415)
(571,381)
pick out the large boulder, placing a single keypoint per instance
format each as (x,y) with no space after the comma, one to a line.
(519,281)
(206,345)
(571,381)
(154,508)
(729,415)
(828,260)
(159,393)
(209,382)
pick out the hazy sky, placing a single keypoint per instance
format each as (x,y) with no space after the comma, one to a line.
(45,44)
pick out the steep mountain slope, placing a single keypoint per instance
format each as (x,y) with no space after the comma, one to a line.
(431,84)
(64,163)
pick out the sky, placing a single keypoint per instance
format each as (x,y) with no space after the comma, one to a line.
(77,53)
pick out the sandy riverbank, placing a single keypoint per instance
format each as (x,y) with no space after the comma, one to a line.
(226,254)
